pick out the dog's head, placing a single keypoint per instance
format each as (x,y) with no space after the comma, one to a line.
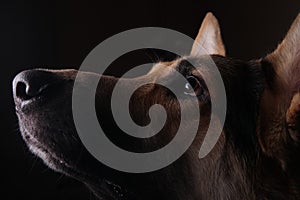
(259,139)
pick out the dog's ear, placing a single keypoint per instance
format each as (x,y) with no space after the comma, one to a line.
(280,101)
(286,58)
(209,40)
(285,61)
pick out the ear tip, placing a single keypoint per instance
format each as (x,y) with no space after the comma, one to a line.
(211,17)
(210,14)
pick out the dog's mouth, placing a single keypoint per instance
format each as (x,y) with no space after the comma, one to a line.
(53,160)
(63,165)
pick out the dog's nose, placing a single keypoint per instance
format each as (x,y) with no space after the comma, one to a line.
(31,83)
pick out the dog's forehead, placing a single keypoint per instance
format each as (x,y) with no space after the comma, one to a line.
(163,66)
(182,64)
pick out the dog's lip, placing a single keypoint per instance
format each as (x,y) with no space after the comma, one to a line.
(60,164)
(54,161)
(34,143)
(57,162)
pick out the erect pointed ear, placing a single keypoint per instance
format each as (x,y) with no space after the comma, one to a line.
(208,40)
(286,65)
(286,58)
(280,100)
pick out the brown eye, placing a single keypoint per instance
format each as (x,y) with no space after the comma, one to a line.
(193,87)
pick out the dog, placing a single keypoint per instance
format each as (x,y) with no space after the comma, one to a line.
(256,156)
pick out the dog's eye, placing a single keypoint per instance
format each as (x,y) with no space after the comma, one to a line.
(193,87)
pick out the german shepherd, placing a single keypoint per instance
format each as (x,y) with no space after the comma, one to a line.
(256,157)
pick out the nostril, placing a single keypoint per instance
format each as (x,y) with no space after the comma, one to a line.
(31,83)
(21,91)
(25,91)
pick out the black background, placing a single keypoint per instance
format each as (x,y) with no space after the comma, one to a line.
(59,34)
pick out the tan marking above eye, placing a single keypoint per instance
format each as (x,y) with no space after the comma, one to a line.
(162,65)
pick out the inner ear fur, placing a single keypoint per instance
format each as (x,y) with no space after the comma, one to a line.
(293,117)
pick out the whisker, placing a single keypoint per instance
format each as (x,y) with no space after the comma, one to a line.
(60,178)
(32,165)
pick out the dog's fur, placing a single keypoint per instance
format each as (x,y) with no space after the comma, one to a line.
(256,156)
